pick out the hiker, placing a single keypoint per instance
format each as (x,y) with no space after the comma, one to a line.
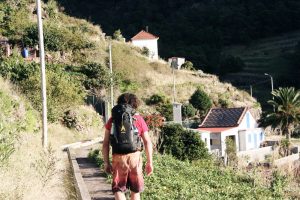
(127,125)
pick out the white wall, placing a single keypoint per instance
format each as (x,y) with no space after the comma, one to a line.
(205,137)
(179,61)
(255,154)
(248,124)
(251,138)
(151,44)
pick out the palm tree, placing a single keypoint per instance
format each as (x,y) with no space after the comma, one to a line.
(286,113)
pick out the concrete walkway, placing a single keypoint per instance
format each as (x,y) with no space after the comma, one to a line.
(93,177)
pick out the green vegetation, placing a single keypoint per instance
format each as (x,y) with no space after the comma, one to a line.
(202,179)
(182,144)
(166,110)
(63,91)
(16,116)
(188,65)
(156,99)
(56,38)
(188,110)
(201,101)
(286,111)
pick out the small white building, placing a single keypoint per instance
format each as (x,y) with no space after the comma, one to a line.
(176,62)
(235,123)
(148,40)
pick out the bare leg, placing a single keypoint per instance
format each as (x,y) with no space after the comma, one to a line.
(135,196)
(120,196)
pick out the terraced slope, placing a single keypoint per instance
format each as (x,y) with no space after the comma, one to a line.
(270,56)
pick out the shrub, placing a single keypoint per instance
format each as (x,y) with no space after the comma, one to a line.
(145,51)
(278,183)
(201,101)
(63,92)
(56,38)
(15,69)
(82,119)
(154,121)
(224,100)
(231,151)
(188,65)
(181,143)
(118,35)
(188,110)
(97,76)
(166,111)
(156,99)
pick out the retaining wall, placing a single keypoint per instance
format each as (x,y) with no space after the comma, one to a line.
(255,154)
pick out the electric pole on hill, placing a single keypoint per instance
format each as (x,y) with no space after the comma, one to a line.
(111,78)
(43,73)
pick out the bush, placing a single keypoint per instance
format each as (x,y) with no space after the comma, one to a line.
(118,35)
(224,101)
(181,143)
(188,65)
(188,110)
(97,76)
(145,51)
(166,111)
(56,38)
(201,101)
(156,99)
(15,69)
(63,92)
(83,119)
(154,121)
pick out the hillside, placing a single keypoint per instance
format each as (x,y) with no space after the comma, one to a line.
(78,55)
(194,29)
(275,56)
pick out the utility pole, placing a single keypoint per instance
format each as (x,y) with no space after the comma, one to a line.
(43,73)
(251,90)
(111,78)
(272,87)
(173,65)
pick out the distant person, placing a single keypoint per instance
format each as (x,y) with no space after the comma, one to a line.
(124,131)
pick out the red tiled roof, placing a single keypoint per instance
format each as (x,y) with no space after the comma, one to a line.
(143,35)
(218,129)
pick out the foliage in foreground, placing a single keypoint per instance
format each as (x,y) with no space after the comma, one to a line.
(174,179)
(15,116)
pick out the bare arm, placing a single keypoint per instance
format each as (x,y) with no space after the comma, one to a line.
(148,149)
(105,151)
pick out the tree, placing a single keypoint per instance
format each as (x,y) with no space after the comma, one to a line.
(201,101)
(118,35)
(286,113)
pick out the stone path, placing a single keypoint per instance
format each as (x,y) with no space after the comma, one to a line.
(93,177)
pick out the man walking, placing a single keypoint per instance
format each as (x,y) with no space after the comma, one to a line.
(123,131)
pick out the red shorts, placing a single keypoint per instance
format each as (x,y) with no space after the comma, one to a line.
(127,172)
